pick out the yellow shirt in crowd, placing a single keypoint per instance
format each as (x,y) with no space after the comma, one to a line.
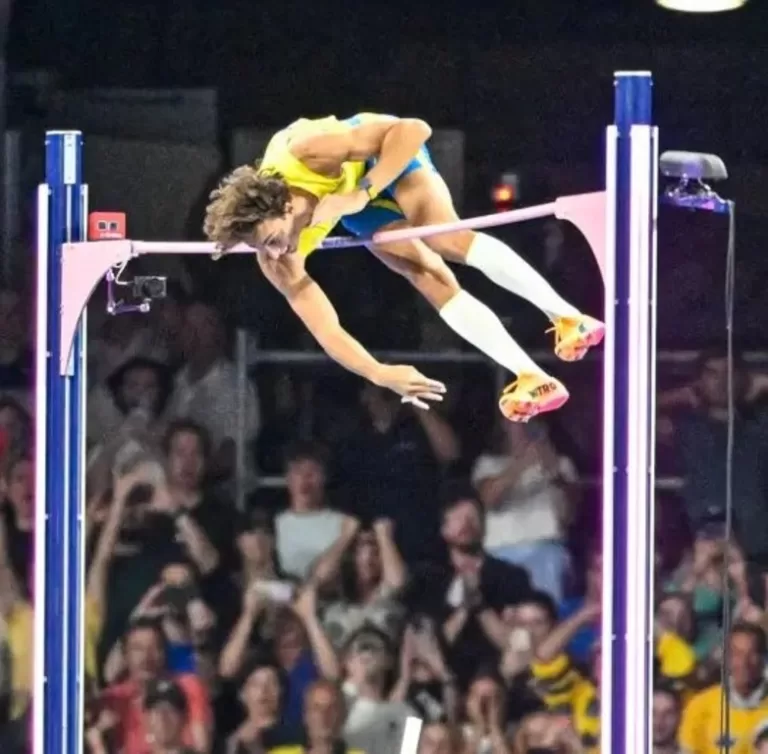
(94,620)
(19,624)
(565,690)
(700,730)
(19,630)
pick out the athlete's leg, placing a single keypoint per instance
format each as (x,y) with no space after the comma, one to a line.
(462,312)
(425,199)
(534,391)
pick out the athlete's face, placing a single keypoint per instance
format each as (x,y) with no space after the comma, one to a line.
(276,236)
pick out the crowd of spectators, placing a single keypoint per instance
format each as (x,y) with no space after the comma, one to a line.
(397,574)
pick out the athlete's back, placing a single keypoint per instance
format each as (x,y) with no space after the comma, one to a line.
(278,159)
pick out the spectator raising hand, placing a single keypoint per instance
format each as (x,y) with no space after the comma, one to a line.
(309,526)
(466,596)
(425,681)
(255,602)
(305,607)
(486,714)
(365,571)
(292,631)
(202,519)
(145,658)
(528,490)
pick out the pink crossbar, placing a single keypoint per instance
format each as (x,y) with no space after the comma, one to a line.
(84,264)
(387,236)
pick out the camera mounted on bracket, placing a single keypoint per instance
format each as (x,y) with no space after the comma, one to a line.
(143,289)
(693,171)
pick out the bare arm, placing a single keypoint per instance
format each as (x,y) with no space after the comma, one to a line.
(407,653)
(234,651)
(198,546)
(685,396)
(757,387)
(95,741)
(493,627)
(558,639)
(114,665)
(314,309)
(394,141)
(392,565)
(492,490)
(322,649)
(96,586)
(442,439)
(327,566)
(455,624)
(498,741)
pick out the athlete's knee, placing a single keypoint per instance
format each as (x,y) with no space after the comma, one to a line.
(428,274)
(453,246)
(436,283)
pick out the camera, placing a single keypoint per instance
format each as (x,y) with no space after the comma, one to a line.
(149,287)
(690,171)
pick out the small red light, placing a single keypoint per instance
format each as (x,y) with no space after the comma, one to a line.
(503,194)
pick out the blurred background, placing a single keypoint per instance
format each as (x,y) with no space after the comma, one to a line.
(282,556)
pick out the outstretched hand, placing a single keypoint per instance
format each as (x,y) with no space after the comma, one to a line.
(411,384)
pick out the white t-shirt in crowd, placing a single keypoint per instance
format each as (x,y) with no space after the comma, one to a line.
(302,537)
(214,401)
(528,512)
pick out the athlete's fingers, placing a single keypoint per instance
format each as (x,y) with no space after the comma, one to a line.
(437,397)
(424,383)
(435,384)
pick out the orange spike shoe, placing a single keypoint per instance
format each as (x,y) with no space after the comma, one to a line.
(574,336)
(530,395)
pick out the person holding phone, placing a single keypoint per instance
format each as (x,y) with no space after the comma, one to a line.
(186,621)
(425,681)
(528,491)
(145,658)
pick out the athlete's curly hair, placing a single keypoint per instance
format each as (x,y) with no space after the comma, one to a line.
(243,199)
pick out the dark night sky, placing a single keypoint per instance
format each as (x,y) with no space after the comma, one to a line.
(76,36)
(527,81)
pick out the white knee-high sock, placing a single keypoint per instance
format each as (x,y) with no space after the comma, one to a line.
(477,324)
(508,269)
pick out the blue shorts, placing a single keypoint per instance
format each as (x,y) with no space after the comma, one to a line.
(383,210)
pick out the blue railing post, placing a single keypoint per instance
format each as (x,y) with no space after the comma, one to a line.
(629,427)
(59,587)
